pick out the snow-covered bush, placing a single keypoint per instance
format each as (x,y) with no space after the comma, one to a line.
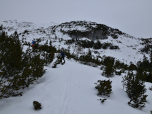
(118,72)
(36,105)
(58,61)
(104,87)
(20,69)
(135,89)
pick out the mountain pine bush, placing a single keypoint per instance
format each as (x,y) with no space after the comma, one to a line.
(18,69)
(37,105)
(11,51)
(104,87)
(135,89)
(109,69)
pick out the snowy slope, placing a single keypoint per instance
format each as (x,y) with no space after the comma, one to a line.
(70,90)
(129,46)
(13,25)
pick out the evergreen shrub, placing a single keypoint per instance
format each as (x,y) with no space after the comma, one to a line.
(135,89)
(104,87)
(37,105)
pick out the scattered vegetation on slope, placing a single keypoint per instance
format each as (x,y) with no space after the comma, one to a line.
(20,69)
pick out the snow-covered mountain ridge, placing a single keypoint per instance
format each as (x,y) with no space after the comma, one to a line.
(83,26)
(129,46)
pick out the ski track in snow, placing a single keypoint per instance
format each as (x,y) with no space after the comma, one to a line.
(65,97)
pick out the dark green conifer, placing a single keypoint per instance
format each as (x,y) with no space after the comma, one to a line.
(104,87)
(135,89)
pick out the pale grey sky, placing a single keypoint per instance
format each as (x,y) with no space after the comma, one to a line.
(133,17)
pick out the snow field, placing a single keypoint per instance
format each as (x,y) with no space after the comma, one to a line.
(70,89)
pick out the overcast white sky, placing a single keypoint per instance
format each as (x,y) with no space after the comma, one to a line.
(133,17)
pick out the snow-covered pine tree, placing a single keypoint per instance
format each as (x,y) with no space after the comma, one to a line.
(135,89)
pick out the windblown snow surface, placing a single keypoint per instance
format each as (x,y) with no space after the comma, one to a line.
(70,88)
